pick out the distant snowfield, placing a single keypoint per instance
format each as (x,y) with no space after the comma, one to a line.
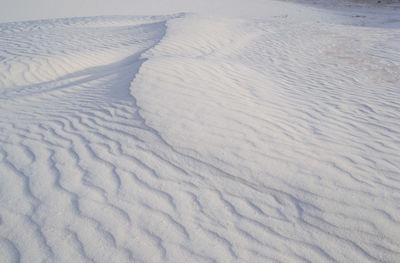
(202,138)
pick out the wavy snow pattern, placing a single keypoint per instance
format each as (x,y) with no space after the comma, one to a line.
(183,138)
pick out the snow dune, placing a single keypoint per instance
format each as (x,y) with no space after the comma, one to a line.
(201,138)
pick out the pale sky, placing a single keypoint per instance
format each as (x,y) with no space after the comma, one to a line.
(18,10)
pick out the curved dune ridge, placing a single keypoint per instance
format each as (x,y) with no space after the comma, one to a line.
(200,138)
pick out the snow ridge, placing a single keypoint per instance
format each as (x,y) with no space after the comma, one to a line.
(304,144)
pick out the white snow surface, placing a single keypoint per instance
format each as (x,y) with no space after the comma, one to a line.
(202,138)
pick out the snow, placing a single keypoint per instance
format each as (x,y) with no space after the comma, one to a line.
(268,135)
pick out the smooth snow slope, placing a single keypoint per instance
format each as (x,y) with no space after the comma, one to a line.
(201,138)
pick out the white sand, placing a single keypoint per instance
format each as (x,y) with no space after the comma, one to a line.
(196,138)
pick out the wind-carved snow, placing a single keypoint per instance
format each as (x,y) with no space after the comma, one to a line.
(193,138)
